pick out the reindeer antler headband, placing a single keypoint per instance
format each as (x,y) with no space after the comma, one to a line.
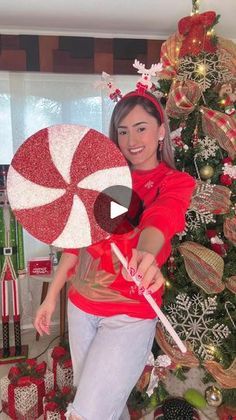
(143,85)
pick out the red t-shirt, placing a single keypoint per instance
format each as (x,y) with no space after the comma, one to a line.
(166,195)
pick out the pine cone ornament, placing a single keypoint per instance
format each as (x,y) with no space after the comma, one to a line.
(177,409)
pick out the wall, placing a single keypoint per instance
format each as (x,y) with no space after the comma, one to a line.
(66,54)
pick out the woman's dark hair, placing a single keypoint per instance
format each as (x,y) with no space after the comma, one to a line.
(123,108)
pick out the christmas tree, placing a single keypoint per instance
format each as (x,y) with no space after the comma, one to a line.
(198,86)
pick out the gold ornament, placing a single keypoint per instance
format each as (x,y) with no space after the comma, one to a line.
(207,172)
(213,396)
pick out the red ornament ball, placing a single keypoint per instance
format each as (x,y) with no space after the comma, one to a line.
(225,180)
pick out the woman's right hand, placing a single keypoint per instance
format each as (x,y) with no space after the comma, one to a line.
(43,316)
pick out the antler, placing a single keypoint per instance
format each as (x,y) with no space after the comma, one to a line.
(155,68)
(141,67)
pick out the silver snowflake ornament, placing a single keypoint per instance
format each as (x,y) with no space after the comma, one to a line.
(205,69)
(208,147)
(193,320)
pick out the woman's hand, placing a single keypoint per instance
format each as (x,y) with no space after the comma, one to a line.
(144,266)
(43,316)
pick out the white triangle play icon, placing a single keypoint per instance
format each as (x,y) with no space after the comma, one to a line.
(116,210)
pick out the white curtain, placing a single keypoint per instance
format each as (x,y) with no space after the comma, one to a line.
(32,101)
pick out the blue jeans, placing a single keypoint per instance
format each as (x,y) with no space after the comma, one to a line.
(108,357)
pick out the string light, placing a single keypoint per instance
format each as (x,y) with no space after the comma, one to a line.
(195,7)
(202,70)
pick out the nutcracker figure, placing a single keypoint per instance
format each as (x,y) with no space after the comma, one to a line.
(11,265)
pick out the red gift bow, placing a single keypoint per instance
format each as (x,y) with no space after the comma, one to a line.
(103,250)
(194,29)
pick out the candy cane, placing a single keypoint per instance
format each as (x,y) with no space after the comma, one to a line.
(152,302)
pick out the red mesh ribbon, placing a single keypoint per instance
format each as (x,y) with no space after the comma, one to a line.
(22,382)
(183,98)
(222,127)
(194,29)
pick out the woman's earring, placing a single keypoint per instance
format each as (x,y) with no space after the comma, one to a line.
(160,143)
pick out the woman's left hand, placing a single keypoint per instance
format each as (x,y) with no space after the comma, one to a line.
(144,266)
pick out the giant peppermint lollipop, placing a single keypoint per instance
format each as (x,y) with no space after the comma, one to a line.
(54,182)
(55,178)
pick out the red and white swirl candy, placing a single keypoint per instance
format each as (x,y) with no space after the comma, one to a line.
(55,178)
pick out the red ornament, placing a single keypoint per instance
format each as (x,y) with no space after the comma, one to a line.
(211,233)
(227,160)
(225,180)
(220,249)
(55,178)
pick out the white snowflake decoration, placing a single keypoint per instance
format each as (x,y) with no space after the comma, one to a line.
(208,147)
(205,70)
(192,223)
(190,318)
(149,185)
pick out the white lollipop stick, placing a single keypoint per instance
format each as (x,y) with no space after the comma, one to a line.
(152,302)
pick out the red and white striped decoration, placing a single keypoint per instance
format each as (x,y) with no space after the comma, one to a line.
(55,178)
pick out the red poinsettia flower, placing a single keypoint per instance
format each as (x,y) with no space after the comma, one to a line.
(67,363)
(14,372)
(41,368)
(65,390)
(51,406)
(58,352)
(31,362)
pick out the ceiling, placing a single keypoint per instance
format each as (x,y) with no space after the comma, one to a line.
(155,19)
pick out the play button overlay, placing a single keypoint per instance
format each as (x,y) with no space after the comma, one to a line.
(117,209)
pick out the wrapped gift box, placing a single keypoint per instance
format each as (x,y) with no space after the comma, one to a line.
(55,403)
(40,266)
(22,399)
(59,362)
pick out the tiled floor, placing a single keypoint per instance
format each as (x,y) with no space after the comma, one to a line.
(174,386)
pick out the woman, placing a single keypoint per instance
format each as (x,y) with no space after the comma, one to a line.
(111,325)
